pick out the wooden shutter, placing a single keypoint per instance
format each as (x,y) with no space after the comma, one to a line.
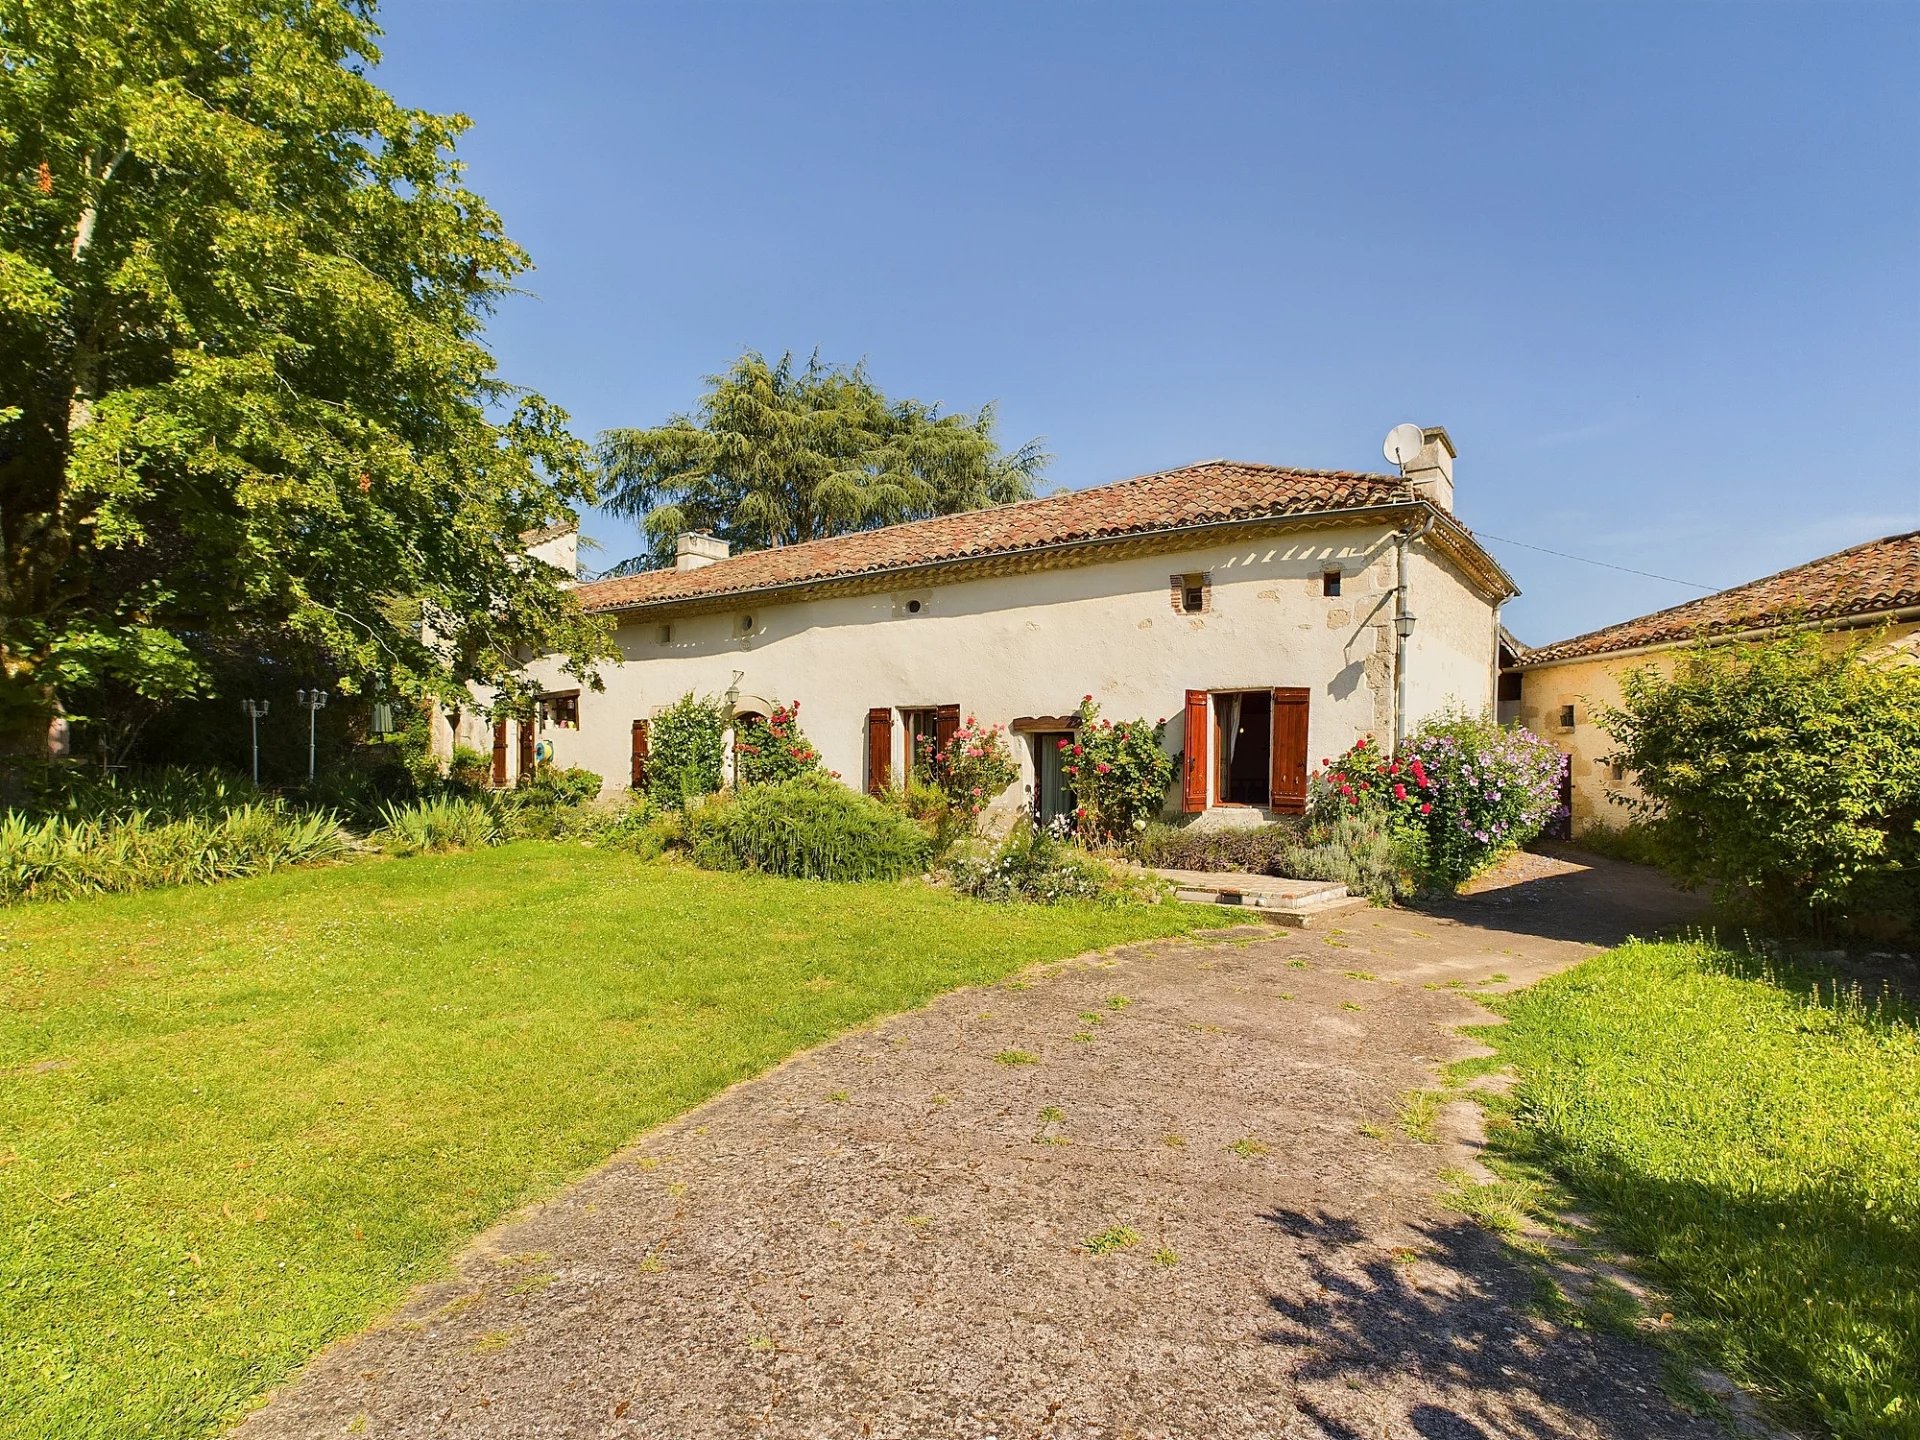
(526,751)
(499,754)
(946,724)
(639,781)
(879,750)
(1289,779)
(1193,782)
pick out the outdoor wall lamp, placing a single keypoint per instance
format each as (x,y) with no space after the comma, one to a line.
(1403,626)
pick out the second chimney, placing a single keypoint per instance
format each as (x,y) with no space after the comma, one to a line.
(1430,473)
(696,548)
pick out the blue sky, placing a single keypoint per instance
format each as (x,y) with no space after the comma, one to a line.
(1656,267)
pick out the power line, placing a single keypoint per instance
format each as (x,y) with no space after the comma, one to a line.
(1603,564)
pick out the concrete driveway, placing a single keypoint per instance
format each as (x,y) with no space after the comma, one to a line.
(1154,1194)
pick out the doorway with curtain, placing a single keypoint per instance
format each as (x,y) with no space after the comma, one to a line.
(1243,747)
(1052,786)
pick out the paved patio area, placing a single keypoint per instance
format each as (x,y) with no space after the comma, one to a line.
(1155,1194)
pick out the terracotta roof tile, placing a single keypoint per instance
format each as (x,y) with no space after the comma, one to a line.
(1192,495)
(1868,578)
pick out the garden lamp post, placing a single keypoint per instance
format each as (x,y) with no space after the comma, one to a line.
(315,700)
(256,711)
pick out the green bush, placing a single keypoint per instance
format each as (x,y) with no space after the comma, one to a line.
(1037,866)
(446,822)
(811,828)
(56,858)
(1260,850)
(685,748)
(933,810)
(768,749)
(552,785)
(1361,851)
(1787,775)
(1638,841)
(470,771)
(1119,771)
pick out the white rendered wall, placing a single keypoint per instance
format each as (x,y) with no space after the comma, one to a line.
(1033,644)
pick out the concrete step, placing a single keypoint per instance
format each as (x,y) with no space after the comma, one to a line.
(1280,901)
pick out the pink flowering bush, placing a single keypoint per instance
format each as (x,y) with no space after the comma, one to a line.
(769,749)
(1463,792)
(1120,773)
(973,767)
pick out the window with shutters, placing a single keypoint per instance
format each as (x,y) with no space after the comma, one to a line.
(563,711)
(1246,747)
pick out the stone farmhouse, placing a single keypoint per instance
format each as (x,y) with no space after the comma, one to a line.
(1272,615)
(1869,591)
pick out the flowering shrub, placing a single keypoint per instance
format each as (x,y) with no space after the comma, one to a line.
(973,767)
(1462,792)
(809,828)
(1119,771)
(686,740)
(1494,790)
(770,748)
(1041,866)
(1366,780)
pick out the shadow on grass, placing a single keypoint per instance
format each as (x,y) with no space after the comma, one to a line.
(1477,1362)
(1814,1295)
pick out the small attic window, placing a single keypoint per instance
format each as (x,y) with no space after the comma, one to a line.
(1191,593)
(666,634)
(746,624)
(1330,583)
(1566,717)
(913,607)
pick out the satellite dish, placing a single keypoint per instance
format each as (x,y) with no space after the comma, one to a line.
(1403,443)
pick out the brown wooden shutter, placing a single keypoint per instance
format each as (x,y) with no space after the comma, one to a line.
(639,755)
(499,754)
(1193,782)
(526,751)
(1289,779)
(946,724)
(879,750)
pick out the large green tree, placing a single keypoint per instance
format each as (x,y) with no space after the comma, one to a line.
(244,394)
(777,453)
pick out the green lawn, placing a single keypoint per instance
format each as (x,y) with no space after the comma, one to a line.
(1757,1142)
(238,1121)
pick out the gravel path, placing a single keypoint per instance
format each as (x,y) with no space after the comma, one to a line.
(1154,1194)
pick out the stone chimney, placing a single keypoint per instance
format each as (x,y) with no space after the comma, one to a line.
(694,549)
(1430,473)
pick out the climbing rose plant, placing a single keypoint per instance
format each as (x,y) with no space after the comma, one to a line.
(687,746)
(973,767)
(769,749)
(1120,773)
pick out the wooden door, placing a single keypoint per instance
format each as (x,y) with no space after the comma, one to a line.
(639,781)
(1193,780)
(499,754)
(946,724)
(526,751)
(879,750)
(1289,779)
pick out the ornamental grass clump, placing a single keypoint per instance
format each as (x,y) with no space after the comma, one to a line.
(768,749)
(1120,773)
(446,822)
(809,828)
(58,858)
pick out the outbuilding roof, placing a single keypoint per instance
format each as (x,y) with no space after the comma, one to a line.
(1868,579)
(1212,492)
